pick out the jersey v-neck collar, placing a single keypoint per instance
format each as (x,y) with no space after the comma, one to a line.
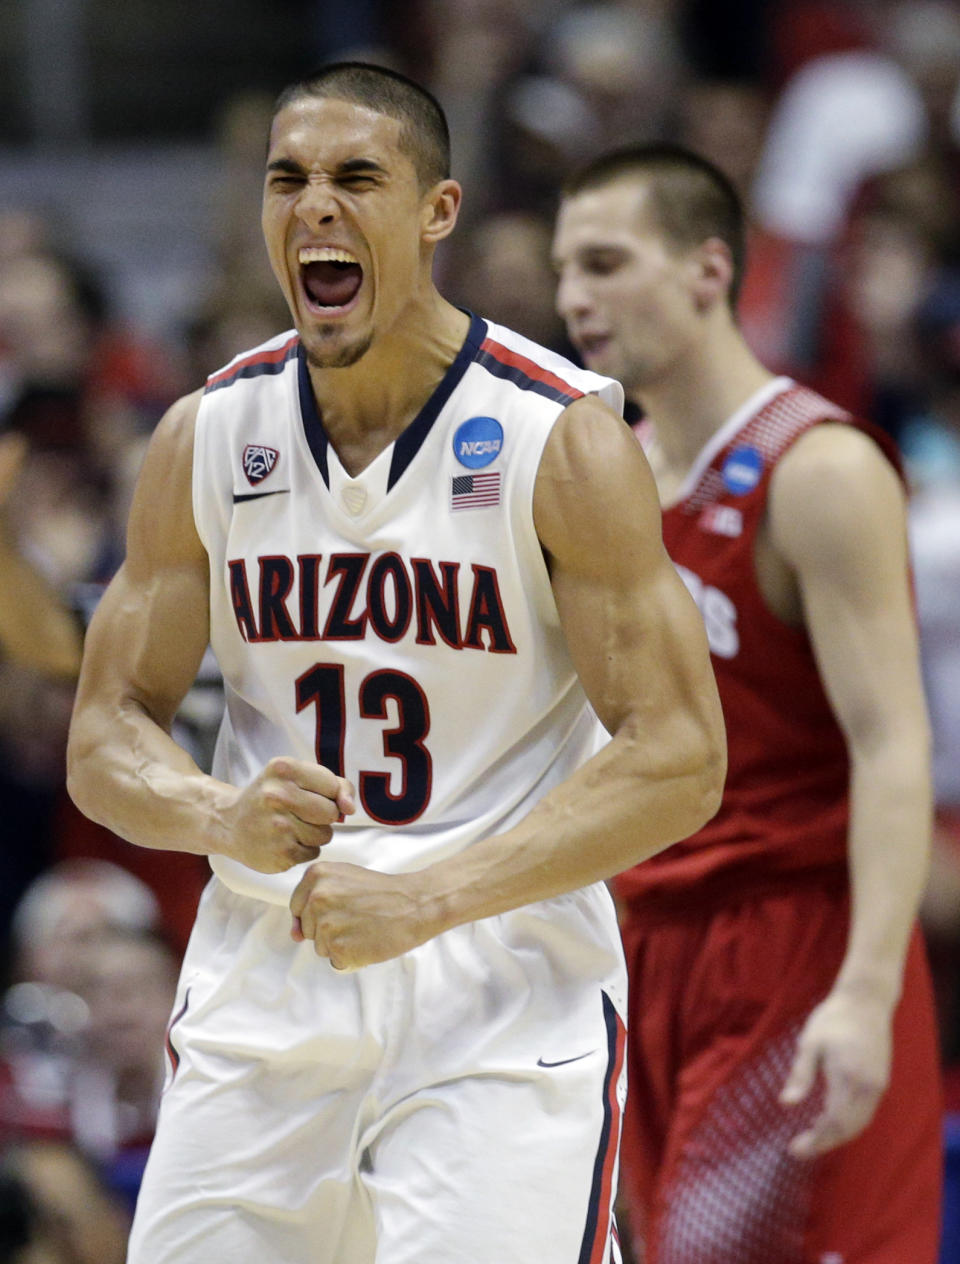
(411,440)
(728,431)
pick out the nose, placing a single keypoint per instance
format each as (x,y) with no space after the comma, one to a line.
(317,204)
(573,297)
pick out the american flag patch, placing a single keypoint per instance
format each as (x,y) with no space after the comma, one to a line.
(475,491)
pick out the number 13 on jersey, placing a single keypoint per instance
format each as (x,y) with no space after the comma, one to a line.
(322,687)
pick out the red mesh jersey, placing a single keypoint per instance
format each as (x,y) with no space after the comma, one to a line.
(784,807)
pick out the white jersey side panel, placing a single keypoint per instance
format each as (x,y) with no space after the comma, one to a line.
(398,626)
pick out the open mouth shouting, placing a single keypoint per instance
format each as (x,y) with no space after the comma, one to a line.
(330,278)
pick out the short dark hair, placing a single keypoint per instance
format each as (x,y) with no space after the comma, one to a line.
(424,134)
(690,198)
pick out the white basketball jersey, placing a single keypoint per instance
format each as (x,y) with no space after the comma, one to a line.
(398,627)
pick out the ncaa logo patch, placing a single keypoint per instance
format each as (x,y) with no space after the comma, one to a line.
(742,470)
(477,442)
(258,461)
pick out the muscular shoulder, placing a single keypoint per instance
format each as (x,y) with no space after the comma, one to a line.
(161,515)
(594,489)
(175,430)
(834,489)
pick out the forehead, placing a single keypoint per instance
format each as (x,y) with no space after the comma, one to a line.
(614,213)
(326,131)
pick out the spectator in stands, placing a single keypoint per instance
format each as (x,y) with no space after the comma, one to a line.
(37,630)
(68,909)
(82,1039)
(80,395)
(56,1209)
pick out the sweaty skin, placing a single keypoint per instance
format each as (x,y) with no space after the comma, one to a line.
(338,178)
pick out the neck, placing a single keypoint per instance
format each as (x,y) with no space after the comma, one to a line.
(697,395)
(368,404)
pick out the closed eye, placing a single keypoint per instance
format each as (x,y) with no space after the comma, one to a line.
(603,263)
(284,173)
(359,173)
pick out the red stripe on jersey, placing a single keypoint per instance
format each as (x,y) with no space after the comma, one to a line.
(533,370)
(261,357)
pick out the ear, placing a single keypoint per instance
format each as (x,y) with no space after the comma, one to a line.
(441,206)
(712,264)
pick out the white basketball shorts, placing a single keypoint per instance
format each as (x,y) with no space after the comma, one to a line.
(458,1105)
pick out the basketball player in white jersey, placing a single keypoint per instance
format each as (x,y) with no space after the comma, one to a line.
(427,555)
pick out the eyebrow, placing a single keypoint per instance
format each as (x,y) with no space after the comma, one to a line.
(588,250)
(286,165)
(351,167)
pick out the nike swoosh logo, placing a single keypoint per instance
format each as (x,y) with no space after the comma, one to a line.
(280,491)
(564,1061)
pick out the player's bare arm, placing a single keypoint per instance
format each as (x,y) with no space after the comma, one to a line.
(837,516)
(638,643)
(143,649)
(36,629)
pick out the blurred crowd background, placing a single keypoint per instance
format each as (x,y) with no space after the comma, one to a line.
(132,135)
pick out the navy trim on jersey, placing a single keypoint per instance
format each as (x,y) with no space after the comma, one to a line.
(408,444)
(595,1232)
(172,1053)
(312,424)
(264,364)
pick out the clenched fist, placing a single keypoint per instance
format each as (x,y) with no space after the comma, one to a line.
(357,916)
(285,815)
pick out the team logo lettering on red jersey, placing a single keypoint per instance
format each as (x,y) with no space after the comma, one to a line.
(718,611)
(258,461)
(722,520)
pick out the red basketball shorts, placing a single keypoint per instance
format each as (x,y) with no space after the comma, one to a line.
(717,999)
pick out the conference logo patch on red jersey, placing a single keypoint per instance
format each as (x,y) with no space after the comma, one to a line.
(721,520)
(258,461)
(742,470)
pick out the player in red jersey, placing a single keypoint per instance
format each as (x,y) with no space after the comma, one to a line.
(784,1099)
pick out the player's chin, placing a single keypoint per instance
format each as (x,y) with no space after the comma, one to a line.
(331,348)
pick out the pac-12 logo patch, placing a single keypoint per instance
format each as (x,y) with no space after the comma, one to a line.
(258,461)
(478,441)
(742,470)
